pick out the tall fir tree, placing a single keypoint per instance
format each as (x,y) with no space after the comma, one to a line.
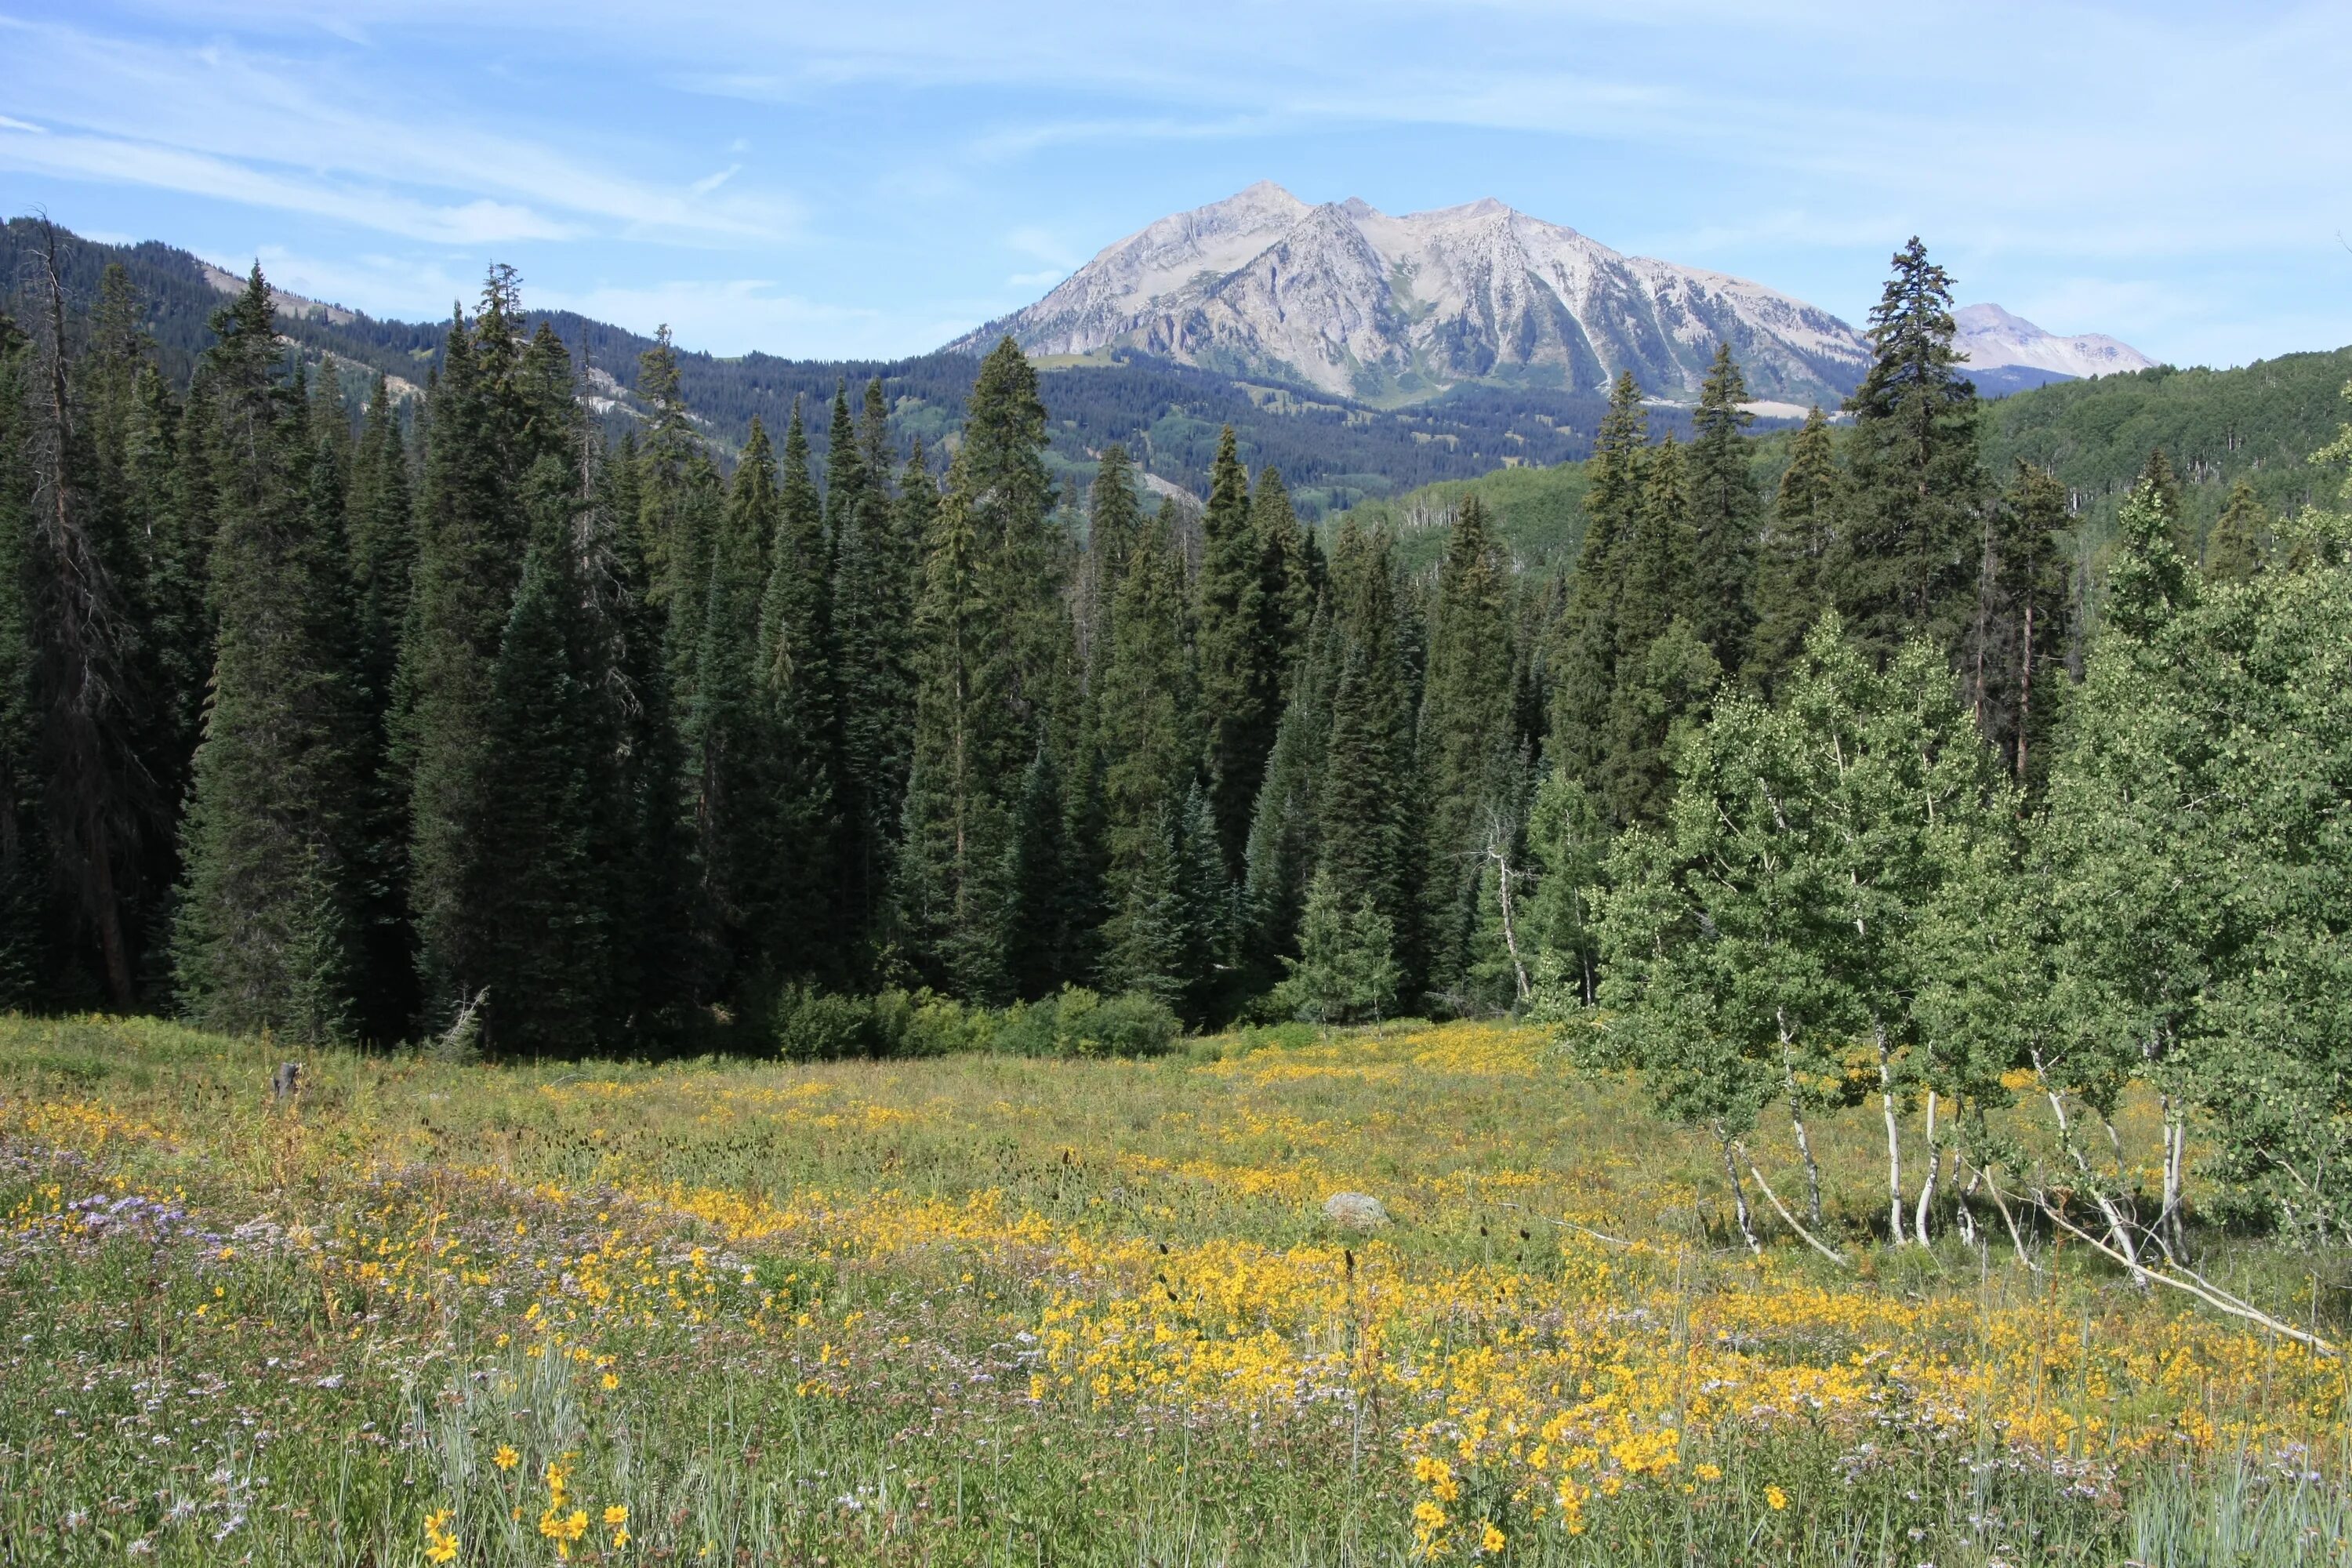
(1790,588)
(2233,551)
(1240,673)
(730,735)
(795,666)
(1585,638)
(1653,680)
(1465,740)
(1149,724)
(2012,665)
(25,961)
(1905,557)
(1114,521)
(472,535)
(1723,514)
(1368,846)
(1284,837)
(877,568)
(1171,939)
(1286,586)
(267,935)
(2148,578)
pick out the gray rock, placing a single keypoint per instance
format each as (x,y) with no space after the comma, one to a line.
(1355,1211)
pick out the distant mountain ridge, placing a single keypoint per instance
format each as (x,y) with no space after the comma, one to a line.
(2007,353)
(1385,309)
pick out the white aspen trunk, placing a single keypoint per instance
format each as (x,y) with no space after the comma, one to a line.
(1739,1195)
(1894,1139)
(1797,1121)
(2117,1231)
(1927,1182)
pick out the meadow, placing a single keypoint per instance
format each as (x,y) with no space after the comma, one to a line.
(994,1310)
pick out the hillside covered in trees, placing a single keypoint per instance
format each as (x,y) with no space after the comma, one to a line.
(1847,764)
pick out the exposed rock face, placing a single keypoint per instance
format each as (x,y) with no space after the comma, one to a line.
(1352,301)
(1994,339)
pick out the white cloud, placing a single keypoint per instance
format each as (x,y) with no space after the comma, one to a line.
(709,183)
(8,124)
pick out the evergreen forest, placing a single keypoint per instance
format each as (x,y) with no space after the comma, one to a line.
(1885,761)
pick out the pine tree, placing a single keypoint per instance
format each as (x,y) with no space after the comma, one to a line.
(731,731)
(1171,938)
(845,477)
(1466,740)
(2012,661)
(1052,943)
(1346,969)
(2234,552)
(1656,678)
(26,959)
(795,668)
(265,937)
(1283,832)
(1905,558)
(1285,584)
(472,535)
(1724,514)
(1114,521)
(1149,724)
(1369,845)
(99,811)
(552,801)
(2149,578)
(1790,588)
(383,542)
(662,457)
(1585,637)
(1240,674)
(879,564)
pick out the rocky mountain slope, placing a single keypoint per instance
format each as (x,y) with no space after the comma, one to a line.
(2007,352)
(1356,302)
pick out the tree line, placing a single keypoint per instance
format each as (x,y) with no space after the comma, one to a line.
(465,714)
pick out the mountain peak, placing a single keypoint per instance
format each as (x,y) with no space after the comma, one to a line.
(1342,296)
(2013,352)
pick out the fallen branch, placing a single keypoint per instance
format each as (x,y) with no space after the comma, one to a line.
(2195,1285)
(1833,1254)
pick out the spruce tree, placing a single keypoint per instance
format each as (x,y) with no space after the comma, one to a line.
(266,933)
(1286,584)
(26,959)
(730,732)
(1171,938)
(383,543)
(1368,846)
(2149,578)
(2234,552)
(472,535)
(877,567)
(1655,679)
(1905,554)
(1149,719)
(98,812)
(1240,674)
(1585,637)
(2012,663)
(1114,521)
(1464,739)
(552,801)
(845,476)
(1723,513)
(1790,588)
(794,665)
(1284,838)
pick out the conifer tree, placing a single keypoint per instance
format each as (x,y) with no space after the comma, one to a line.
(1465,741)
(1169,939)
(383,542)
(1283,831)
(845,476)
(1148,719)
(2149,578)
(1656,678)
(1791,589)
(2012,661)
(26,964)
(877,566)
(795,669)
(98,808)
(549,811)
(662,457)
(1346,969)
(1285,584)
(1584,655)
(1369,846)
(1239,674)
(730,733)
(2234,552)
(1052,943)
(1723,513)
(472,535)
(265,937)
(1906,555)
(1114,521)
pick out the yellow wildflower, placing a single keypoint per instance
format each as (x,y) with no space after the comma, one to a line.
(440,1545)
(1777,1498)
(1491,1542)
(506,1459)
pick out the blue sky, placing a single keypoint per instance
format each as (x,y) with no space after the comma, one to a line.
(870,179)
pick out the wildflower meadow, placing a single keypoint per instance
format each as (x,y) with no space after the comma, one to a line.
(993,1310)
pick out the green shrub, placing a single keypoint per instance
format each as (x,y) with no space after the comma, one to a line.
(817,1027)
(1134,1025)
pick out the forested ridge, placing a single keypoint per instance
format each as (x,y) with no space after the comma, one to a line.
(1842,770)
(1169,415)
